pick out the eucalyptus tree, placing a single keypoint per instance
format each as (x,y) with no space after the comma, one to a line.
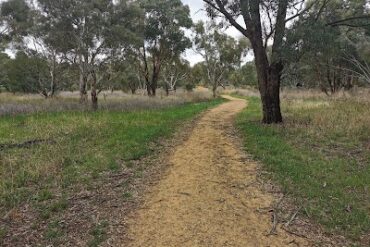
(88,33)
(164,37)
(222,54)
(265,24)
(198,74)
(175,71)
(27,74)
(14,21)
(322,48)
(125,72)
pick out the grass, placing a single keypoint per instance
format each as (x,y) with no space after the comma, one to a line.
(320,155)
(118,101)
(77,147)
(54,232)
(98,234)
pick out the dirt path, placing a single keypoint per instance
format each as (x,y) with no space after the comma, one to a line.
(208,196)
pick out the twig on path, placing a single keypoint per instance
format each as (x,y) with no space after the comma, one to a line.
(251,183)
(275,219)
(293,242)
(274,226)
(184,193)
(293,217)
(294,233)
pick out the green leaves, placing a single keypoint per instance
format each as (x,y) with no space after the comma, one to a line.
(165,22)
(14,20)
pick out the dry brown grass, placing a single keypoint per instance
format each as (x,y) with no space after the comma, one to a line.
(250,92)
(357,94)
(12,104)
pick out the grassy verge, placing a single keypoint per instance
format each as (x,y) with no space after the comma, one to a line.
(321,156)
(43,154)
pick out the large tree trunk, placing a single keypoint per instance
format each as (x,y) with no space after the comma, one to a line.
(269,84)
(271,97)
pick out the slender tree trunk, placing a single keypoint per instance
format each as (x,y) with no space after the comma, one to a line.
(167,89)
(44,93)
(52,90)
(53,76)
(154,88)
(83,85)
(94,98)
(94,94)
(155,76)
(52,85)
(214,89)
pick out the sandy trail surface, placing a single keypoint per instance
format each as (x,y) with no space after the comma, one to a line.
(209,195)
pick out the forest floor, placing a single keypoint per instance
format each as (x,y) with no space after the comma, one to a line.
(210,194)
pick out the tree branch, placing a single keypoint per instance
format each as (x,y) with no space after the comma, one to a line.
(301,12)
(221,8)
(341,22)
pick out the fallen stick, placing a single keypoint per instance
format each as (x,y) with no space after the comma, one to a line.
(294,233)
(293,217)
(275,217)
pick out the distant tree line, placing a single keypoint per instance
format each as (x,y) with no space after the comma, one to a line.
(96,45)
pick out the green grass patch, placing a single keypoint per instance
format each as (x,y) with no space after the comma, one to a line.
(54,232)
(99,234)
(3,233)
(319,157)
(76,147)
